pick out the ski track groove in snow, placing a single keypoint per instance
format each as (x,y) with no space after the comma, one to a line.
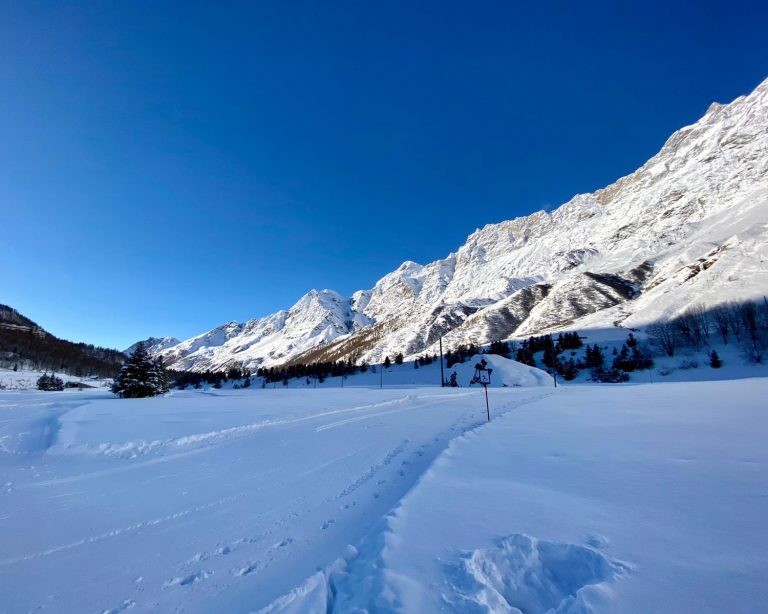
(131,450)
(119,531)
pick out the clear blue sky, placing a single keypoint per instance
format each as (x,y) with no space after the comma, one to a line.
(169,166)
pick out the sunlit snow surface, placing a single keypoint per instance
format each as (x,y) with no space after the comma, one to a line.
(636,498)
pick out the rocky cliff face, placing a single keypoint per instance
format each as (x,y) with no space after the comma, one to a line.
(689,226)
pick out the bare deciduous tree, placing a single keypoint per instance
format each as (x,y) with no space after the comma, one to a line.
(665,334)
(722,321)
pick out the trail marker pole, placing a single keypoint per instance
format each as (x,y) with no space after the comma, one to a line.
(554,359)
(442,377)
(483,376)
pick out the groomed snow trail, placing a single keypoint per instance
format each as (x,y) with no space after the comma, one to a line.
(206,502)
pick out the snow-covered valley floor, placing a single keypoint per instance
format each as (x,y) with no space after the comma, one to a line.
(632,498)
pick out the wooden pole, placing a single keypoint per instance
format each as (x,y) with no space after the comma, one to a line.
(487,407)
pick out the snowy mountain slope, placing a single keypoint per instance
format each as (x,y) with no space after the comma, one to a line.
(690,225)
(154,345)
(318,317)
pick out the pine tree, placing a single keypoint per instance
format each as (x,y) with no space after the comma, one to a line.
(50,382)
(525,356)
(568,369)
(387,362)
(160,376)
(141,376)
(399,359)
(714,360)
(594,358)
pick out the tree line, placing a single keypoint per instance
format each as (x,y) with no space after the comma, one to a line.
(39,350)
(744,323)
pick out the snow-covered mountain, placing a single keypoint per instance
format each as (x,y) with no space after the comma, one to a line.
(318,317)
(689,226)
(154,345)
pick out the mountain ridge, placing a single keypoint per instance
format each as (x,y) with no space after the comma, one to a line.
(621,254)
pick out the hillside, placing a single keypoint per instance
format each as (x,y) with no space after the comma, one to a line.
(26,345)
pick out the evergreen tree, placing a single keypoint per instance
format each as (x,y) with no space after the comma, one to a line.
(622,360)
(641,359)
(387,362)
(525,356)
(141,376)
(550,354)
(501,348)
(594,358)
(714,360)
(50,382)
(160,376)
(399,359)
(568,369)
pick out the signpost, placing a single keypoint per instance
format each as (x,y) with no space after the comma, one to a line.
(483,377)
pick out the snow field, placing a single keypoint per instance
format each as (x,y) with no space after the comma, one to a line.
(649,498)
(202,501)
(581,499)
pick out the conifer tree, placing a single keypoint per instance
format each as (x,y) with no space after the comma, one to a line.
(50,382)
(714,360)
(141,376)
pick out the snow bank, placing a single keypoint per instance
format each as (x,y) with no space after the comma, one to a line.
(506,372)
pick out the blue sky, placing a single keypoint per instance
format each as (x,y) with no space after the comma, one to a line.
(167,167)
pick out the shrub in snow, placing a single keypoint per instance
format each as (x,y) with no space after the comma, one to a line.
(632,361)
(714,360)
(609,376)
(50,382)
(141,376)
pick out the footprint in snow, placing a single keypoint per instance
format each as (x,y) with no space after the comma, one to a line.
(286,542)
(126,605)
(328,523)
(188,580)
(248,569)
(596,540)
